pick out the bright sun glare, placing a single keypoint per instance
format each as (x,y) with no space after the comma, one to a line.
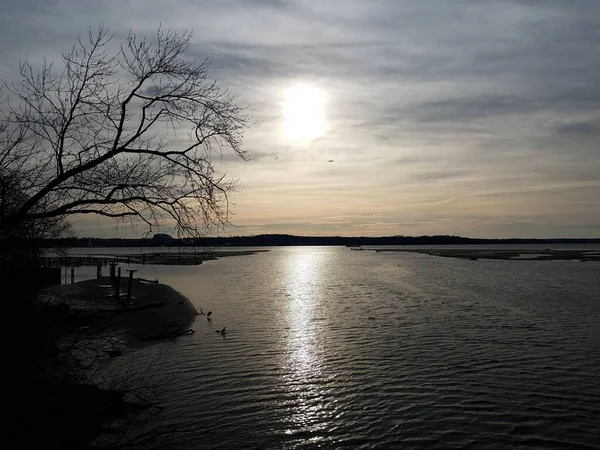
(304,112)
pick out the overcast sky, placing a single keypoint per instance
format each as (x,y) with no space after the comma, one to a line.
(478,118)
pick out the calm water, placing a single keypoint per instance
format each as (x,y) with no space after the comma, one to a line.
(331,348)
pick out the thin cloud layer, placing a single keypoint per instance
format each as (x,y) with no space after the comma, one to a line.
(459,117)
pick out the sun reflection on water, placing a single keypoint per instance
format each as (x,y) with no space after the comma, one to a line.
(304,377)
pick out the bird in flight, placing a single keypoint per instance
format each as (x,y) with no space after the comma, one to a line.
(221,331)
(201,312)
(331,160)
(208,315)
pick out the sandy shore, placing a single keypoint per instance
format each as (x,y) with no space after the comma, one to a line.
(78,390)
(185,258)
(156,312)
(508,254)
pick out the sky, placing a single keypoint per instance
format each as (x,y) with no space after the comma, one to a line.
(475,118)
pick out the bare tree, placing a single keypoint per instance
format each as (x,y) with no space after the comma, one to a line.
(121,131)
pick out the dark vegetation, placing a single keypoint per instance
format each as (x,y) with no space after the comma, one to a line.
(285,239)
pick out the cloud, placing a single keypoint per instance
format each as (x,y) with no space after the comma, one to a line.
(493,105)
(585,129)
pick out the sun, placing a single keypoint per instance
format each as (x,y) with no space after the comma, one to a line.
(304,112)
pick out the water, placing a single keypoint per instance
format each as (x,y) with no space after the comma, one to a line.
(330,348)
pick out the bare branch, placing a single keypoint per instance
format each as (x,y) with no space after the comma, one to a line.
(94,136)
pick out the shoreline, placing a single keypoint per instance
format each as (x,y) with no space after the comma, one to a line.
(506,255)
(184,258)
(78,391)
(156,258)
(156,312)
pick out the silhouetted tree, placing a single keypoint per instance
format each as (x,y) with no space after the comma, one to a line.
(20,245)
(121,131)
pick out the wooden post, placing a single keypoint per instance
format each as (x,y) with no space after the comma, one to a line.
(118,286)
(131,271)
(72,275)
(113,273)
(99,271)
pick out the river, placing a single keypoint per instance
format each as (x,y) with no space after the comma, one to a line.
(331,348)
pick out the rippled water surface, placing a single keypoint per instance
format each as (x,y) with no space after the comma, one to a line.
(330,348)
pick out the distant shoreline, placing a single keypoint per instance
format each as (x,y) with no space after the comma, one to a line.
(507,254)
(274,240)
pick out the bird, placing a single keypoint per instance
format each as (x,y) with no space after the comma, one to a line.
(331,160)
(221,331)
(208,315)
(201,312)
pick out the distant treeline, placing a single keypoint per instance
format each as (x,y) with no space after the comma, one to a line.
(264,240)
